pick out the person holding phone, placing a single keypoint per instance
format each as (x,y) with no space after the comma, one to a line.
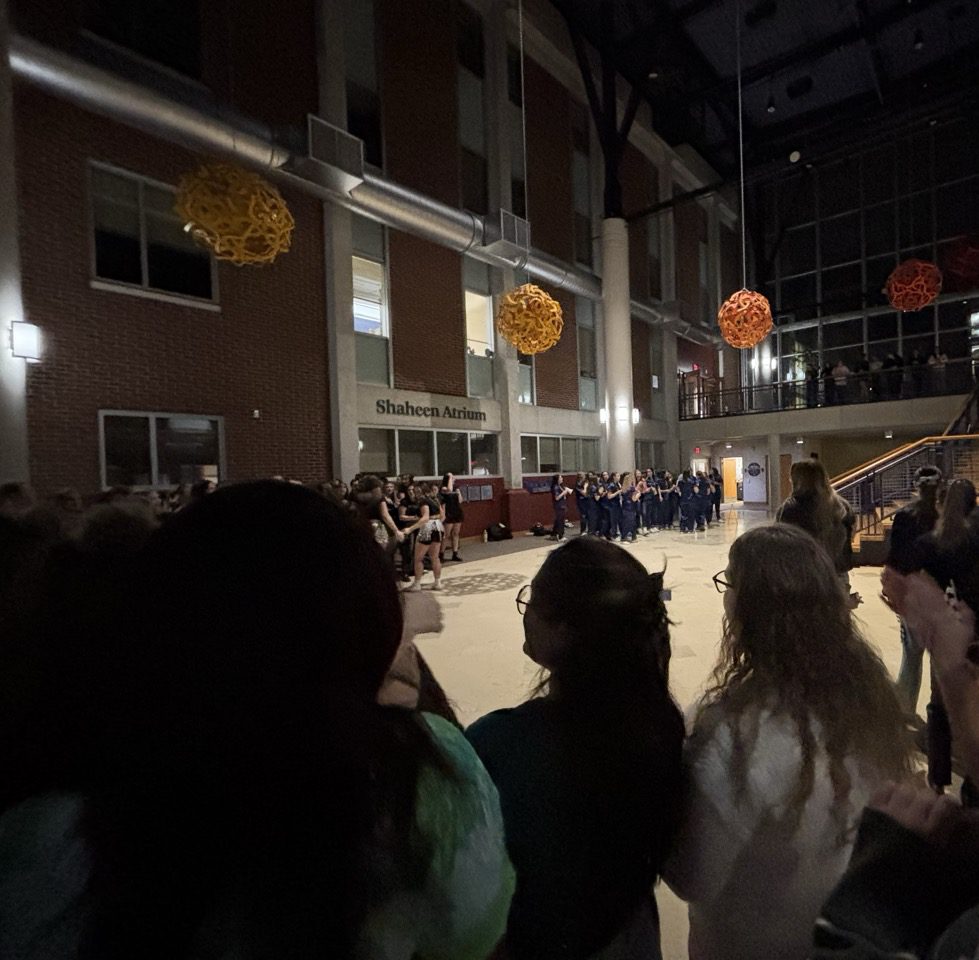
(559,495)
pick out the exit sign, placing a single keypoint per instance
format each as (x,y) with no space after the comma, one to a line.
(696,449)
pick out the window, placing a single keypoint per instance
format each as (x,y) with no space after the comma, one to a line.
(543,455)
(514,76)
(644,454)
(472,120)
(370,304)
(167,32)
(159,450)
(587,354)
(427,453)
(139,239)
(363,102)
(479,328)
(525,371)
(518,185)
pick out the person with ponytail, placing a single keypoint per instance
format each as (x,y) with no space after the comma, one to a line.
(799,726)
(589,768)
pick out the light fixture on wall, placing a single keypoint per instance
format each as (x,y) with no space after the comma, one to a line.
(622,415)
(727,446)
(888,434)
(635,415)
(603,415)
(774,364)
(25,341)
(800,440)
(754,364)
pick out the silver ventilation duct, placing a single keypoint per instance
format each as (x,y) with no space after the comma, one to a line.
(123,101)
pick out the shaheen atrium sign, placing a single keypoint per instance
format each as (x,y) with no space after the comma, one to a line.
(407,409)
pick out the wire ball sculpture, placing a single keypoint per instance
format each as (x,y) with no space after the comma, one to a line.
(235,213)
(745,318)
(913,285)
(530,319)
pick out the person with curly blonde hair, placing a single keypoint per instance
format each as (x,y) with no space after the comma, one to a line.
(799,725)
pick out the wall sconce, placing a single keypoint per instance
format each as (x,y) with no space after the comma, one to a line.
(727,446)
(774,364)
(888,434)
(603,415)
(621,414)
(754,363)
(800,440)
(635,415)
(25,341)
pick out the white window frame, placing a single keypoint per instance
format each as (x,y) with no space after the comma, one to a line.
(579,326)
(469,434)
(152,416)
(562,439)
(143,289)
(533,378)
(491,331)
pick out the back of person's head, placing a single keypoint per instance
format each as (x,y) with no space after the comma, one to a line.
(958,503)
(242,764)
(928,484)
(790,645)
(16,498)
(809,479)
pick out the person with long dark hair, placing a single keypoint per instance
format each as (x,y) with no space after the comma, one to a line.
(430,533)
(234,789)
(798,727)
(560,492)
(589,768)
(450,497)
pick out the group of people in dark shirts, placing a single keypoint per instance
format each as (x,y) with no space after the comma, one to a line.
(628,505)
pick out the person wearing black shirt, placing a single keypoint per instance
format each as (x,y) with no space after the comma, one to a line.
(450,497)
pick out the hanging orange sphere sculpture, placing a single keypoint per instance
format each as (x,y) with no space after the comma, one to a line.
(745,318)
(530,319)
(913,285)
(235,213)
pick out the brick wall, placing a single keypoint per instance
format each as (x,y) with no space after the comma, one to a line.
(265,350)
(556,369)
(642,383)
(418,76)
(428,335)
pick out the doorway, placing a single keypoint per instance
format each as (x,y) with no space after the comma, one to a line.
(699,465)
(731,472)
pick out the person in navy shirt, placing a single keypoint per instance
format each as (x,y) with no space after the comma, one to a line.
(687,488)
(559,495)
(613,493)
(630,508)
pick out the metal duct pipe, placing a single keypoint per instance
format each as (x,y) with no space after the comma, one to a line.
(123,101)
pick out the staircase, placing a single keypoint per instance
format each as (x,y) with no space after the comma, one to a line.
(879,488)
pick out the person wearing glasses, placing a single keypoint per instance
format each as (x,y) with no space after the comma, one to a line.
(589,768)
(799,726)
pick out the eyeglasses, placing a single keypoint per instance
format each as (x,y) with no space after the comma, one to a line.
(523,599)
(720,584)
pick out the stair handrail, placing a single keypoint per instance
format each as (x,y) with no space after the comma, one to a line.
(972,401)
(895,456)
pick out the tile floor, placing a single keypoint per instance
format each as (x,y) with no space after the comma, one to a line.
(478,659)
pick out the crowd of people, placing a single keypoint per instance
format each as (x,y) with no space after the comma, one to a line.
(218,740)
(636,503)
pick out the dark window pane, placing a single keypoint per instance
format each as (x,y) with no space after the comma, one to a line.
(165,31)
(839,187)
(115,213)
(955,154)
(579,127)
(117,257)
(878,174)
(916,223)
(482,449)
(127,451)
(955,345)
(957,209)
(187,449)
(796,202)
(913,163)
(847,333)
(839,238)
(528,454)
(798,252)
(469,38)
(920,322)
(550,454)
(174,262)
(474,191)
(799,297)
(514,85)
(842,289)
(452,453)
(879,229)
(364,121)
(582,239)
(377,451)
(415,452)
(518,202)
(883,327)
(878,270)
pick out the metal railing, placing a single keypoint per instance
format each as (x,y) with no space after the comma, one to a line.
(876,490)
(700,400)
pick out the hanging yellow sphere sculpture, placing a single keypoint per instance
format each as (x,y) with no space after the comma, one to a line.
(235,213)
(745,318)
(530,319)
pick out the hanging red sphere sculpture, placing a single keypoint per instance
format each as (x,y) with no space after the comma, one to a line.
(913,285)
(745,318)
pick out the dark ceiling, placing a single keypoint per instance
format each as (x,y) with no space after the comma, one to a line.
(818,75)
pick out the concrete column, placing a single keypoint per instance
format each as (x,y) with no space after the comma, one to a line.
(338,249)
(618,343)
(13,373)
(506,372)
(774,471)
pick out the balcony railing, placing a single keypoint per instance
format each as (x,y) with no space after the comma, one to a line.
(700,399)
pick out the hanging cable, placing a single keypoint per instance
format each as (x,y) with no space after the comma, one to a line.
(523,124)
(744,246)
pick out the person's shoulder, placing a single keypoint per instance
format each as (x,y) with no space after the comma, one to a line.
(501,725)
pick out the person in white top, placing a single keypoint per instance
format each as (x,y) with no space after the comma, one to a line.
(800,724)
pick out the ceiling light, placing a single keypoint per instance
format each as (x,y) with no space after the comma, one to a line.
(800,440)
(919,39)
(727,446)
(795,156)
(653,75)
(771,103)
(888,434)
